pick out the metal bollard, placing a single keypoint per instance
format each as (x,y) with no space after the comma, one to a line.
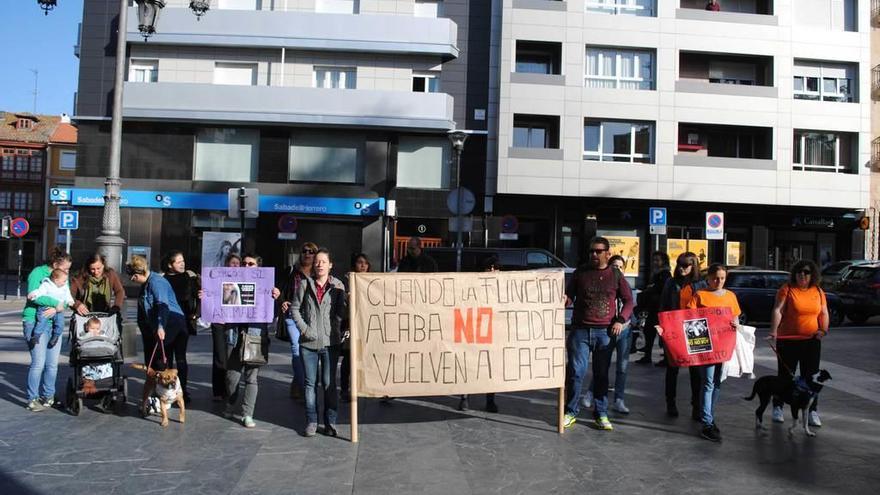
(129,339)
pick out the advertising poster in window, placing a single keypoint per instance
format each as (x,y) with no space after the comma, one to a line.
(700,247)
(735,253)
(216,246)
(628,248)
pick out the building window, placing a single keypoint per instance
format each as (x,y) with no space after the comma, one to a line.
(335,77)
(826,15)
(538,57)
(24,124)
(623,69)
(226,155)
(428,8)
(235,74)
(618,141)
(337,6)
(426,82)
(823,81)
(535,131)
(818,151)
(324,157)
(239,4)
(423,162)
(143,71)
(22,202)
(68,160)
(643,8)
(5,200)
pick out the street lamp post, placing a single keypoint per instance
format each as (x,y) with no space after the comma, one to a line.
(458,138)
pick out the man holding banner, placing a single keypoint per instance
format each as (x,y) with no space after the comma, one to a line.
(595,290)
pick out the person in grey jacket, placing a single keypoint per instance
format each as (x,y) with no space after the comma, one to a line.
(318,309)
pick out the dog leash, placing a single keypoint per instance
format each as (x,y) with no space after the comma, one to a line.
(164,359)
(773,348)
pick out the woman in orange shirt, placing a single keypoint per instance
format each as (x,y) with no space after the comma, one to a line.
(799,321)
(714,296)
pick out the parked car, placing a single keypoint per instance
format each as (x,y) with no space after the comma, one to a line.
(510,258)
(756,292)
(834,273)
(859,291)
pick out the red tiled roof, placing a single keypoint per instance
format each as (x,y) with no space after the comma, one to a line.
(64,134)
(43,127)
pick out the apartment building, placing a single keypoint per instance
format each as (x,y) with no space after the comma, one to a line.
(600,109)
(24,137)
(873,244)
(330,108)
(60,174)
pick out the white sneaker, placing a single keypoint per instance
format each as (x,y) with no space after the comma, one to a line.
(587,400)
(778,415)
(814,419)
(620,407)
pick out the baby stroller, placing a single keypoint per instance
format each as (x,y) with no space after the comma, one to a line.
(96,351)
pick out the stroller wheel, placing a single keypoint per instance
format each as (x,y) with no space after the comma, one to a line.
(124,388)
(76,406)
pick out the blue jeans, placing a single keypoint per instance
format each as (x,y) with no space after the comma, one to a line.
(711,387)
(296,362)
(624,340)
(580,343)
(44,364)
(327,357)
(56,323)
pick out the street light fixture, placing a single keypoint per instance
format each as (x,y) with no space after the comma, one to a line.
(47,5)
(200,8)
(148,15)
(458,137)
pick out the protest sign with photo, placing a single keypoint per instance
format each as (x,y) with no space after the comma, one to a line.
(457,333)
(696,337)
(238,295)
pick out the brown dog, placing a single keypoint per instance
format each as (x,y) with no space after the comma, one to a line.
(165,385)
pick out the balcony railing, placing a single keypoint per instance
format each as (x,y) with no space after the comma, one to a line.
(875,82)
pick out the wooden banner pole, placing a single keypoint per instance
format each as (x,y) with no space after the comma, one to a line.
(561,427)
(353,349)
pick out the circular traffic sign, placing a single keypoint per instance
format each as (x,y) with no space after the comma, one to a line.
(714,221)
(509,224)
(467,200)
(19,227)
(287,223)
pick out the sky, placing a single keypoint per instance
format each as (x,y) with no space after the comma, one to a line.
(44,43)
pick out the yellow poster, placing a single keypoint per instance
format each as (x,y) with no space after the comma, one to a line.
(700,247)
(735,253)
(628,248)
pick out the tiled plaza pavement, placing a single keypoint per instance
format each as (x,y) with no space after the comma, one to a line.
(423,445)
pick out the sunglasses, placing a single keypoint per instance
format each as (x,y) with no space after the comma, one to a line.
(597,251)
(806,272)
(309,251)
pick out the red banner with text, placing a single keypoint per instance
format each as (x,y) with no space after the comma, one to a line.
(696,337)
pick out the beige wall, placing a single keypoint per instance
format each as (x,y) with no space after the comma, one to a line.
(874,211)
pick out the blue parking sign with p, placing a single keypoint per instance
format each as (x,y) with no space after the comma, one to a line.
(68,219)
(657,216)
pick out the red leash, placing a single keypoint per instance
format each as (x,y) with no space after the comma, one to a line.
(164,359)
(773,348)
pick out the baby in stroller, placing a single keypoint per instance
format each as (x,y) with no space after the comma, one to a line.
(54,286)
(94,372)
(96,357)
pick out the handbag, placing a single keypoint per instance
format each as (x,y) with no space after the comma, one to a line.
(253,353)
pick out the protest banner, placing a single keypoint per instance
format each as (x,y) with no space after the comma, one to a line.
(626,247)
(238,295)
(416,334)
(695,337)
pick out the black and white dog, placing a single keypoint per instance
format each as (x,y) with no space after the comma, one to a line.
(797,392)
